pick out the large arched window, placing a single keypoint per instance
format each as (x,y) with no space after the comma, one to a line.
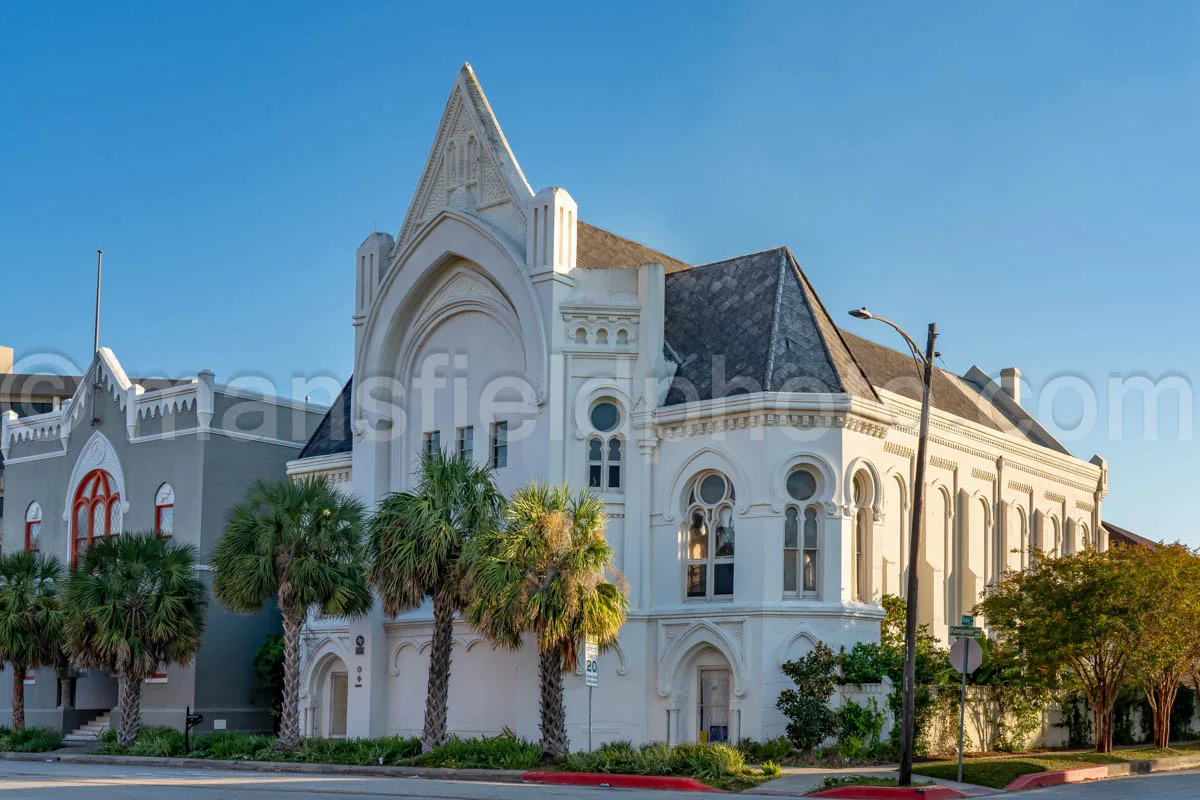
(801,535)
(604,452)
(710,537)
(863,520)
(164,511)
(33,528)
(96,511)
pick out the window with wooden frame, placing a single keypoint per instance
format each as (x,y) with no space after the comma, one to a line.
(33,528)
(164,511)
(96,511)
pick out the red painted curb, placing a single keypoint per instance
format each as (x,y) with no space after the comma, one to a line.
(620,781)
(1057,777)
(891,792)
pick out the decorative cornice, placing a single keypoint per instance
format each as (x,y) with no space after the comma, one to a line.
(983,475)
(1055,497)
(1020,487)
(1082,506)
(771,409)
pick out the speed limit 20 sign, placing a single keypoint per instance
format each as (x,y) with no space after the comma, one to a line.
(591,667)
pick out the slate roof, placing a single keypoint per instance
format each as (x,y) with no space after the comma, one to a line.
(751,324)
(333,435)
(1118,535)
(756,323)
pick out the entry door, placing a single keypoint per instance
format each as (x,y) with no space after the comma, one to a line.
(714,704)
(338,685)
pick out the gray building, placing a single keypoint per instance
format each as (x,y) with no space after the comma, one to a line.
(117,457)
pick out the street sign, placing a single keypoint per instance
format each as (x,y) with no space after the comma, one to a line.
(969,650)
(966,631)
(967,619)
(591,667)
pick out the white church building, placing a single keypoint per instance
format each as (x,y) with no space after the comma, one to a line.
(755,458)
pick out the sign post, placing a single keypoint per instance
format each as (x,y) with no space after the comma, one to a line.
(591,677)
(965,655)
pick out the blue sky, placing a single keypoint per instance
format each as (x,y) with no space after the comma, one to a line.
(1024,173)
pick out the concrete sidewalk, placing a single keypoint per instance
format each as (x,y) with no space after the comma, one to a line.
(799,781)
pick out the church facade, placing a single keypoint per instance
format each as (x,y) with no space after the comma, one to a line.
(755,459)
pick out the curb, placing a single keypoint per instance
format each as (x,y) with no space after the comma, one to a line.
(892,792)
(1103,771)
(1059,777)
(436,773)
(614,781)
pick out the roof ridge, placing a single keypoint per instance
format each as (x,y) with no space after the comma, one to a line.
(768,376)
(741,257)
(809,291)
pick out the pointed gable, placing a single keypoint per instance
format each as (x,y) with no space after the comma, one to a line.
(470,168)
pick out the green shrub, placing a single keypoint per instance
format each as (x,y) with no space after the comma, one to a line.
(158,742)
(777,749)
(233,747)
(860,732)
(806,706)
(506,751)
(715,764)
(771,770)
(30,740)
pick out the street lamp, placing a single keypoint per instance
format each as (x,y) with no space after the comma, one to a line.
(914,544)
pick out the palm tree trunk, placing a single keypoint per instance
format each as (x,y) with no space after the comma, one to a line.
(289,714)
(437,696)
(554,714)
(18,715)
(129,704)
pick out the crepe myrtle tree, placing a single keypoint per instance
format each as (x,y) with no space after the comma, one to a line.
(299,543)
(133,602)
(416,550)
(31,619)
(1080,614)
(548,570)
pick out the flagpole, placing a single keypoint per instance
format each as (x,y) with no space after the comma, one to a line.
(96,340)
(96,335)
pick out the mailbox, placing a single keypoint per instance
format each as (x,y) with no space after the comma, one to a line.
(190,721)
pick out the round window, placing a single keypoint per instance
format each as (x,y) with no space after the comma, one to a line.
(605,416)
(801,484)
(712,489)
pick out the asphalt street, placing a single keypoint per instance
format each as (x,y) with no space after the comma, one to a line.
(41,781)
(95,782)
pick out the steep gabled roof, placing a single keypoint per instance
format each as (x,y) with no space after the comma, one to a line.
(600,249)
(754,323)
(897,372)
(1121,536)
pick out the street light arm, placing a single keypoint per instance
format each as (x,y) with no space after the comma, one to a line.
(916,350)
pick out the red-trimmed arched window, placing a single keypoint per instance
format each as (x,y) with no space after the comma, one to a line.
(97,511)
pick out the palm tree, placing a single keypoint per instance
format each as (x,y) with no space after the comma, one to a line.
(416,547)
(301,545)
(548,571)
(133,602)
(31,619)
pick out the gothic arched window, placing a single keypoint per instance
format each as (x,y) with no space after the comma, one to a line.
(801,536)
(710,537)
(96,511)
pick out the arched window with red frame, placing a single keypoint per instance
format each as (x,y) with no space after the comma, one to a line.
(96,511)
(33,528)
(164,511)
